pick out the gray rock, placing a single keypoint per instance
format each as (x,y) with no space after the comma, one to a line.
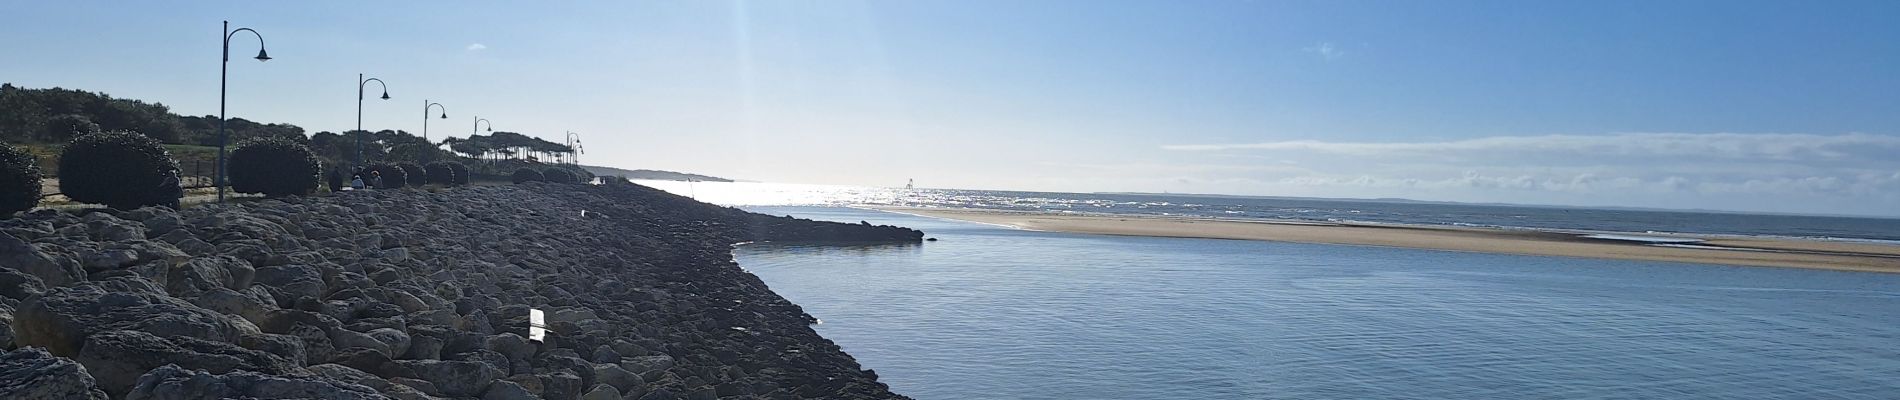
(19,285)
(511,345)
(394,340)
(293,281)
(53,265)
(351,375)
(649,367)
(289,347)
(506,390)
(561,385)
(173,383)
(601,392)
(619,378)
(32,373)
(62,318)
(252,304)
(453,378)
(108,228)
(118,358)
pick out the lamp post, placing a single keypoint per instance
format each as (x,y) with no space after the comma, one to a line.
(224,67)
(360,85)
(574,142)
(425,116)
(477,129)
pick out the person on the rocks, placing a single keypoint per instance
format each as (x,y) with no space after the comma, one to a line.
(375,179)
(356,182)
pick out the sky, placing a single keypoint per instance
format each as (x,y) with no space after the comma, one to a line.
(1728,105)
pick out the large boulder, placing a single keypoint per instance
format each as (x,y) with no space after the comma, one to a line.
(18,285)
(453,378)
(351,375)
(173,383)
(52,264)
(32,373)
(118,358)
(62,318)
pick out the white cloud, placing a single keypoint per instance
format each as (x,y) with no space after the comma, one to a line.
(1325,50)
(477,47)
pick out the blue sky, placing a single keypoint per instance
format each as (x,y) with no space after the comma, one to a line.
(1767,106)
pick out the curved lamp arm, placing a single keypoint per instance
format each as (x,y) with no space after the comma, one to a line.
(365,83)
(261,55)
(445,109)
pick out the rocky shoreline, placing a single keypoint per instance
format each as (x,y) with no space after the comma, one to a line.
(412,294)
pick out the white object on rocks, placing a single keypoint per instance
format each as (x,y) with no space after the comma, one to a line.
(537,325)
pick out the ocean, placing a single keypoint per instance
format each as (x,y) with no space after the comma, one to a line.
(1843,228)
(990,312)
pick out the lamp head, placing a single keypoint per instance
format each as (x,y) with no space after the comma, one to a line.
(262,56)
(445,115)
(385,95)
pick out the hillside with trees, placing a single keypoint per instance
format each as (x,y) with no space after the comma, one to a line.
(42,120)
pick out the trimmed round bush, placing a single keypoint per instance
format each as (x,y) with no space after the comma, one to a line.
(414,173)
(275,167)
(335,180)
(65,127)
(440,173)
(393,177)
(528,175)
(123,170)
(19,181)
(559,176)
(461,172)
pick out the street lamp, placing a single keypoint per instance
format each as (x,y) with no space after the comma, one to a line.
(476,130)
(425,116)
(574,142)
(360,84)
(223,68)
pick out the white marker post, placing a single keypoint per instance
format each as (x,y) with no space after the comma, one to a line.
(537,325)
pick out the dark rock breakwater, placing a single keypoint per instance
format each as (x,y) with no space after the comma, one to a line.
(414,295)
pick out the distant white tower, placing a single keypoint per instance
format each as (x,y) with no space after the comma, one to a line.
(911,184)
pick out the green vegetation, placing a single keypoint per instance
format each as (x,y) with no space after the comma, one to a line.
(66,127)
(274,166)
(413,174)
(19,180)
(440,173)
(525,175)
(461,172)
(559,176)
(123,170)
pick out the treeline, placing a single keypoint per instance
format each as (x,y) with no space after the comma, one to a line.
(57,115)
(53,117)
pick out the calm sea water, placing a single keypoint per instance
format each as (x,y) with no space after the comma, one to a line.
(1523,217)
(995,313)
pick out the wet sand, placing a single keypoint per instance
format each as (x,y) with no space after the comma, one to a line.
(1727,250)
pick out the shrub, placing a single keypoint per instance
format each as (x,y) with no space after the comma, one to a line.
(440,173)
(273,166)
(393,176)
(335,179)
(123,170)
(528,175)
(615,180)
(559,176)
(19,181)
(413,174)
(62,128)
(461,172)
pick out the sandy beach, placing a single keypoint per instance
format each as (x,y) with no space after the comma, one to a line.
(1719,249)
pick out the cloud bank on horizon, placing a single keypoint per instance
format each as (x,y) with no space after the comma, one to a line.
(1853,173)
